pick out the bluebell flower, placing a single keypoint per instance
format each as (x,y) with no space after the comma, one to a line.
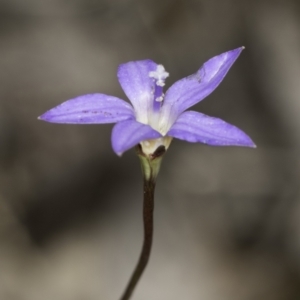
(154,118)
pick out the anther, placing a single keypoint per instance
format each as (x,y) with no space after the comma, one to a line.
(159,75)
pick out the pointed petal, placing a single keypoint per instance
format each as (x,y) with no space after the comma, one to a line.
(195,127)
(192,89)
(138,86)
(127,134)
(90,109)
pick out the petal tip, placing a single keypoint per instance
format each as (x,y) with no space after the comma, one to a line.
(238,51)
(42,118)
(47,117)
(119,152)
(116,147)
(249,143)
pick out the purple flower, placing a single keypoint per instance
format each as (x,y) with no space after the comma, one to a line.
(154,118)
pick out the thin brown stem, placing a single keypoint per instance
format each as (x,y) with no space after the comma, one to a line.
(149,187)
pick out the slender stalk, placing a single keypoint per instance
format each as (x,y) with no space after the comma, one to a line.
(150,167)
(149,187)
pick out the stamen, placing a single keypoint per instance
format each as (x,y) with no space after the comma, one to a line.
(159,75)
(160,99)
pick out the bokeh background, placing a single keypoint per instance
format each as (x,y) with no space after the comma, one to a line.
(227,220)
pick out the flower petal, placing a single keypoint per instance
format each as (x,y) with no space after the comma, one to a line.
(195,127)
(127,134)
(90,109)
(194,88)
(138,86)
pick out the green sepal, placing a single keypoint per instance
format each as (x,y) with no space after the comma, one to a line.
(150,164)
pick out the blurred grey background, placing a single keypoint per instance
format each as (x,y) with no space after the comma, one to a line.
(227,220)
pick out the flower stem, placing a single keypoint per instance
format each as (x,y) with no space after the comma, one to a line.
(149,186)
(150,167)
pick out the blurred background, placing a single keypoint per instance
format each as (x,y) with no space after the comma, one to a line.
(227,220)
